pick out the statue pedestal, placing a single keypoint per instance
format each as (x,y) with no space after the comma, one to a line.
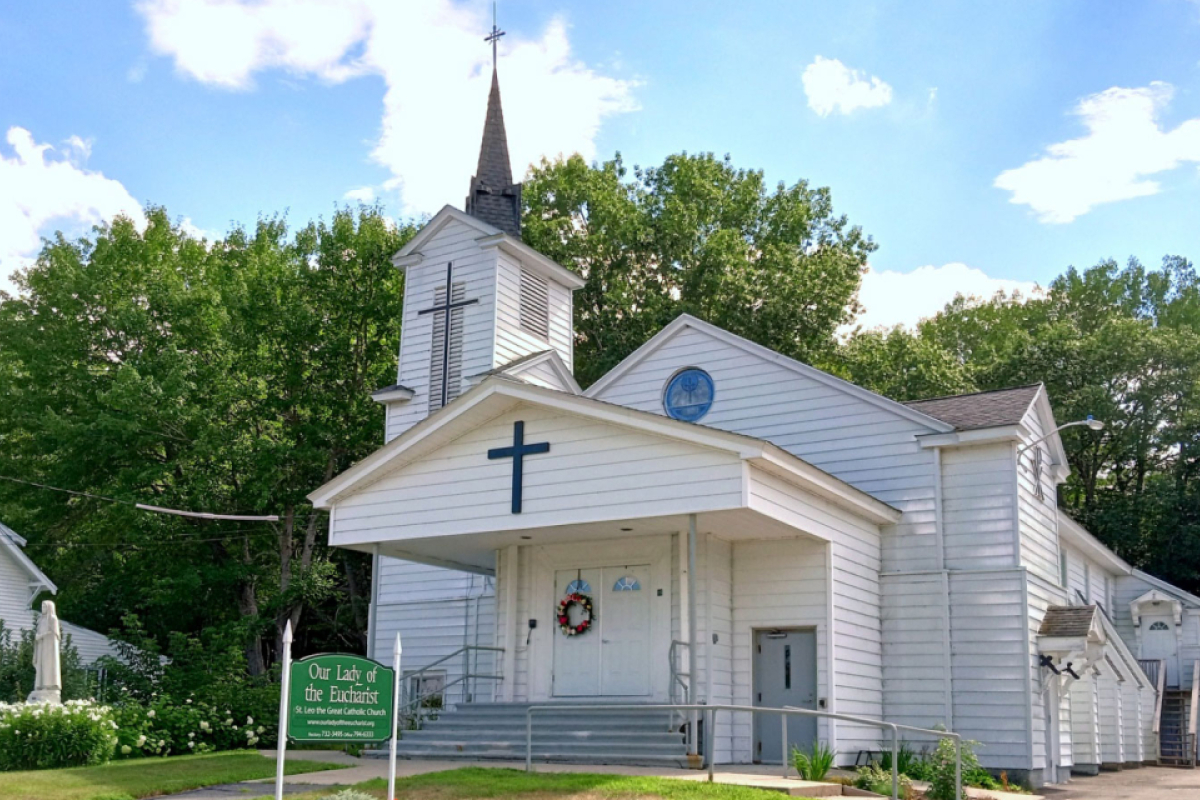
(53,696)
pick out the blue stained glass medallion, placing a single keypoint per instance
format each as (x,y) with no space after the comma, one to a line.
(689,395)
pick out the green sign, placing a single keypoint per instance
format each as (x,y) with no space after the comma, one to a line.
(338,698)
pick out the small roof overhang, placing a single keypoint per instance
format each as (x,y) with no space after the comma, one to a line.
(1155,601)
(12,543)
(1078,537)
(392,394)
(519,366)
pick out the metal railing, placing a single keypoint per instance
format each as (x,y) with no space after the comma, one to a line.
(414,708)
(1153,668)
(679,689)
(1193,713)
(710,712)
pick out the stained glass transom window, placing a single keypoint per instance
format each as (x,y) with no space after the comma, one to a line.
(1159,626)
(579,585)
(627,584)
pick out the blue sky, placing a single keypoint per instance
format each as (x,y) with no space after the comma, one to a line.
(981,145)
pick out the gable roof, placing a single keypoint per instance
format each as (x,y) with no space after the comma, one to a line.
(527,362)
(497,394)
(11,543)
(1068,621)
(489,237)
(980,409)
(684,321)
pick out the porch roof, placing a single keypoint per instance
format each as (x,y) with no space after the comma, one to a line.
(609,464)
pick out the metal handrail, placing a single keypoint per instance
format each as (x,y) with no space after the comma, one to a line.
(1194,709)
(415,705)
(677,679)
(710,711)
(1161,686)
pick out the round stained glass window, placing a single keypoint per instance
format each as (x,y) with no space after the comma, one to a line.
(689,395)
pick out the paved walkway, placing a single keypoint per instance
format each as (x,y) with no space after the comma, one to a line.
(1147,783)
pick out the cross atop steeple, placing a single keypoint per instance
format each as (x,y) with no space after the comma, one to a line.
(493,197)
(494,36)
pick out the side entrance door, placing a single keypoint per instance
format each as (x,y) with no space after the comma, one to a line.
(1158,641)
(611,658)
(785,674)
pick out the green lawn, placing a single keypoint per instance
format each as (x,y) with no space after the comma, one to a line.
(144,777)
(476,782)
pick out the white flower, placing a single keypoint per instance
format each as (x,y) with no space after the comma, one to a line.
(126,749)
(141,740)
(150,713)
(229,721)
(189,701)
(191,736)
(253,740)
(249,720)
(191,745)
(161,743)
(203,725)
(260,729)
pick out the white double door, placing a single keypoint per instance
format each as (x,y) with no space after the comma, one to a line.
(612,657)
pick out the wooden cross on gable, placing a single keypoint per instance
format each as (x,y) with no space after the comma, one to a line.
(446,307)
(517,453)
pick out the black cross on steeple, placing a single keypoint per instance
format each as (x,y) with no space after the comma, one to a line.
(517,453)
(494,36)
(448,306)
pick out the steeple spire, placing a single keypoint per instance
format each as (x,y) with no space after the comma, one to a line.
(493,197)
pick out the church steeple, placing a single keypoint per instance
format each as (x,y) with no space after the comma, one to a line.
(493,197)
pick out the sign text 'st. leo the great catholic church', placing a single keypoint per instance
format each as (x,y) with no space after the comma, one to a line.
(339,698)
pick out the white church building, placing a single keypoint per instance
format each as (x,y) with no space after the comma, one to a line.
(747,530)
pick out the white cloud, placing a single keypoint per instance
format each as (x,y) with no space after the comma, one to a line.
(1124,145)
(905,298)
(41,186)
(832,86)
(363,194)
(434,63)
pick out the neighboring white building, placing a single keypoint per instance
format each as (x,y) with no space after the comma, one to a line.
(896,561)
(21,582)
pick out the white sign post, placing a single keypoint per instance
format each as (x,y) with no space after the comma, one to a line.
(284,690)
(395,720)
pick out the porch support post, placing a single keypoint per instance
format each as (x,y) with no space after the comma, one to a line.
(508,575)
(693,665)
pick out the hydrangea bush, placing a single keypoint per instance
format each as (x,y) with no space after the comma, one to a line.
(45,736)
(164,726)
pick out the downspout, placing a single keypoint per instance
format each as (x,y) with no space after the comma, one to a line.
(373,609)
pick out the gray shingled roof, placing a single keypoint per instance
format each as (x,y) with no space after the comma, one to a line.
(493,197)
(981,409)
(1067,621)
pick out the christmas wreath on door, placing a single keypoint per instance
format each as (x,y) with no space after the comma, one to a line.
(564,613)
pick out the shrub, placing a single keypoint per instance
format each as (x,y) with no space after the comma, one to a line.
(908,761)
(43,736)
(815,764)
(941,764)
(165,726)
(875,778)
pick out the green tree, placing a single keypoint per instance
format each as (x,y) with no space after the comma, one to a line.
(233,377)
(694,235)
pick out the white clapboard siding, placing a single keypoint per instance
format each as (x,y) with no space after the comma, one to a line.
(15,603)
(406,582)
(90,645)
(990,664)
(776,584)
(1041,595)
(978,507)
(435,629)
(455,242)
(1038,516)
(1112,737)
(861,443)
(915,635)
(591,469)
(715,596)
(1085,721)
(1131,720)
(513,340)
(543,374)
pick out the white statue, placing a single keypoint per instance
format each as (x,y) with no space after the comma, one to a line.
(47,661)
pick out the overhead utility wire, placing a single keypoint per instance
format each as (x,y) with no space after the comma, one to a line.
(153,509)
